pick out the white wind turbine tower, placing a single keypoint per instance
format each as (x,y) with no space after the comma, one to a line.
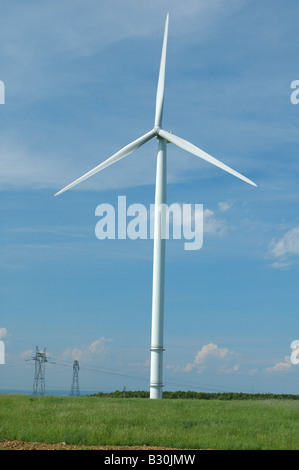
(163,137)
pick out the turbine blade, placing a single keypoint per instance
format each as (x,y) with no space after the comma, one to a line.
(185,145)
(161,80)
(114,158)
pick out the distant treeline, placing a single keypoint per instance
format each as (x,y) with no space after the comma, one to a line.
(198,395)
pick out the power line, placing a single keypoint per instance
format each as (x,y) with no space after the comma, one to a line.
(185,384)
(99,371)
(121,373)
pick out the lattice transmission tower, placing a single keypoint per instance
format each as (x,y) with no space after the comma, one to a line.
(39,384)
(75,390)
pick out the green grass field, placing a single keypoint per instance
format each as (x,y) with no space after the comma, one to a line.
(183,424)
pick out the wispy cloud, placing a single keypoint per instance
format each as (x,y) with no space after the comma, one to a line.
(71,232)
(224,206)
(281,366)
(27,354)
(98,349)
(213,225)
(286,249)
(3,333)
(38,34)
(69,33)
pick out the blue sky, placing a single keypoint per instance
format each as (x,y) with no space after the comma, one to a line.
(80,83)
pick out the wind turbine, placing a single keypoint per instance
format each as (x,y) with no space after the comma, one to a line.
(164,137)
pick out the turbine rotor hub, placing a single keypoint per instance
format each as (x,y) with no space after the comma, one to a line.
(156,130)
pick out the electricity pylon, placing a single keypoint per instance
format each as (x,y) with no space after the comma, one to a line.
(75,391)
(39,385)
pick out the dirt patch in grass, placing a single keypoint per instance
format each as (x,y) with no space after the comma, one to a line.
(19,445)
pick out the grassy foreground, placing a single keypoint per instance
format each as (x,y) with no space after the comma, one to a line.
(184,424)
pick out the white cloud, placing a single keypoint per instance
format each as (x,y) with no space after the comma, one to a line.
(280,265)
(3,333)
(281,366)
(230,370)
(22,168)
(27,354)
(224,206)
(207,352)
(213,225)
(286,249)
(288,244)
(98,349)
